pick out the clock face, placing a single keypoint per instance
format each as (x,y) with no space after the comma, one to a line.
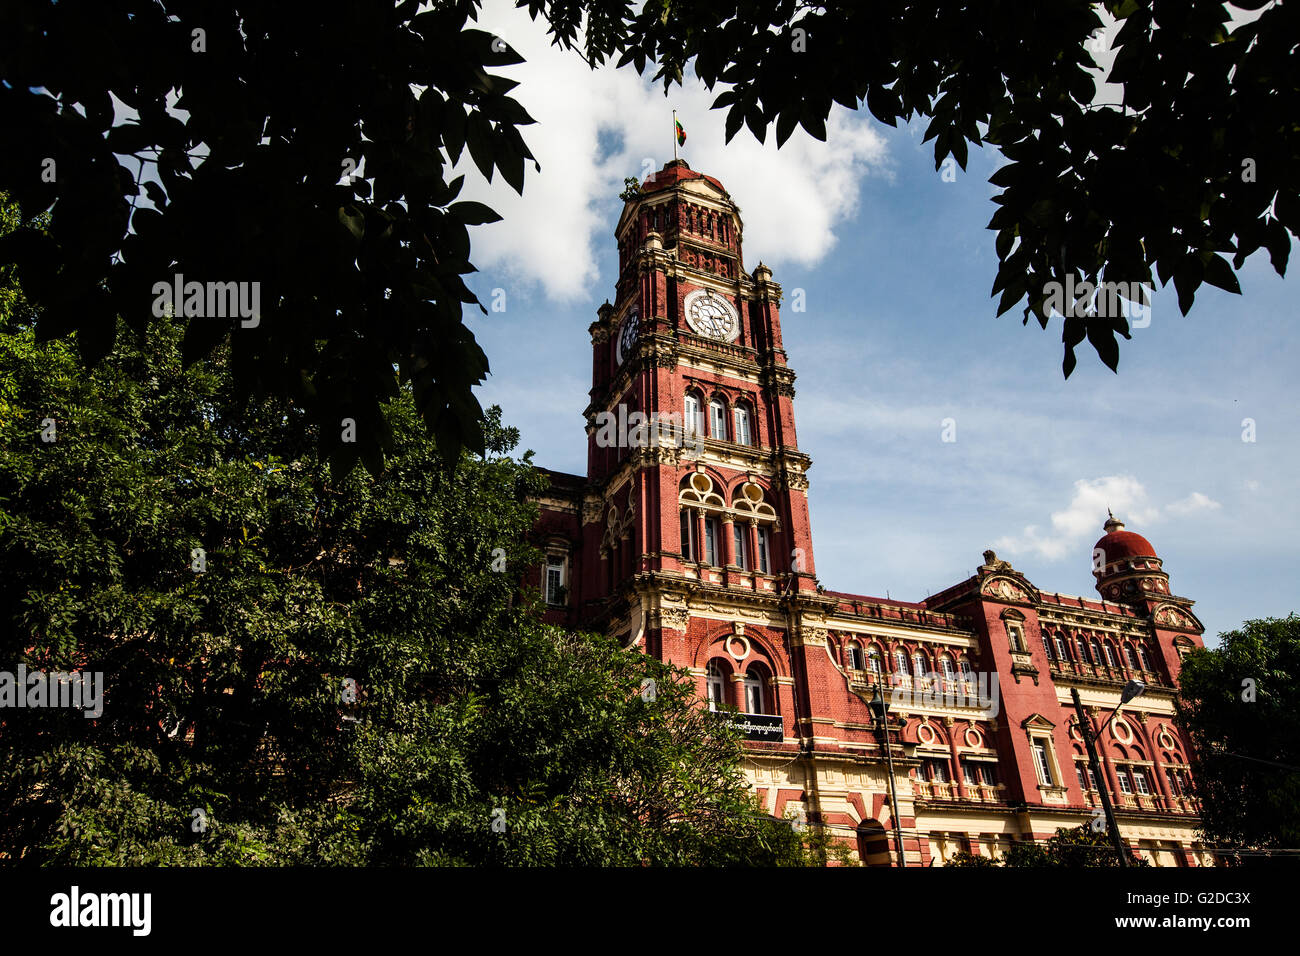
(712,315)
(627,336)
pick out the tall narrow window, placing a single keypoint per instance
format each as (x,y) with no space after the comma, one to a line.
(717,420)
(1060,648)
(1096,653)
(967,675)
(1124,785)
(1042,762)
(1082,648)
(688,534)
(1140,779)
(1142,656)
(754,693)
(900,663)
(1132,657)
(1110,655)
(694,422)
(711,541)
(741,416)
(855,657)
(763,564)
(742,545)
(945,665)
(555,580)
(1013,635)
(873,661)
(716,685)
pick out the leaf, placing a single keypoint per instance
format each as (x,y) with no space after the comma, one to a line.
(1219,273)
(478,136)
(353,221)
(472,213)
(735,120)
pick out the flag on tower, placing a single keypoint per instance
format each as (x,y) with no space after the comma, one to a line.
(681,133)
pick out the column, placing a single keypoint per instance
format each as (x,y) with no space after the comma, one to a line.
(950,726)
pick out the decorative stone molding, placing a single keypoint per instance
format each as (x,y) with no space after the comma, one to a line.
(1169,615)
(1004,589)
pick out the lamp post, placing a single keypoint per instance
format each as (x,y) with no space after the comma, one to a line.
(1132,689)
(880,709)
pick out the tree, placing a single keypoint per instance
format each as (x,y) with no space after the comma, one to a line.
(1196,162)
(298,157)
(1069,847)
(297,160)
(304,669)
(1236,704)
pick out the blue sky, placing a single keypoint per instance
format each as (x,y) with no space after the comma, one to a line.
(898,334)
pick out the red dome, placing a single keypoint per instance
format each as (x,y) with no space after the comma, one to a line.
(674,173)
(1125,544)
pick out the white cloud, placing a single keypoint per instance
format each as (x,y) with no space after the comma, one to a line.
(595,128)
(1191,504)
(1083,517)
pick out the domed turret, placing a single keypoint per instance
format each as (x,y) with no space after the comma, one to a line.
(1125,565)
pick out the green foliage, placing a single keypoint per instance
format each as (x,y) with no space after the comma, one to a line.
(306,163)
(1237,705)
(347,681)
(964,858)
(1069,847)
(1196,162)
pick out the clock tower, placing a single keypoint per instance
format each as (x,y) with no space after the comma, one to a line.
(695,479)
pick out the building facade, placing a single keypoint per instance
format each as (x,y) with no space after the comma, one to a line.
(689,538)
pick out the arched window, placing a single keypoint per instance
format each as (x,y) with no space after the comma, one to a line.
(717,420)
(693,417)
(1146,661)
(873,661)
(716,682)
(712,542)
(1060,648)
(556,590)
(688,535)
(1082,650)
(920,667)
(740,534)
(1047,645)
(947,667)
(853,656)
(755,693)
(1096,652)
(967,674)
(1131,656)
(1110,654)
(900,662)
(1013,636)
(740,419)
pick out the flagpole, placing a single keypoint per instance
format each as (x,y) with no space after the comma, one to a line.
(674,136)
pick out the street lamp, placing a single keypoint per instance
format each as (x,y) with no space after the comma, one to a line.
(880,709)
(1132,689)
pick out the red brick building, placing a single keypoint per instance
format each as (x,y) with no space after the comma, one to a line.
(689,538)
